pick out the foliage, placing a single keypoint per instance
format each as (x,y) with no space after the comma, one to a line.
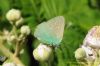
(79,18)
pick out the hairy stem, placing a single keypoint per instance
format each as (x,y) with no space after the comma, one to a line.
(17,50)
(9,54)
(19,44)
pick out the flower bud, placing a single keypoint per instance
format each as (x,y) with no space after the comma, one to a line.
(42,52)
(80,54)
(9,64)
(12,38)
(19,22)
(22,51)
(13,15)
(90,53)
(93,37)
(25,30)
(6,34)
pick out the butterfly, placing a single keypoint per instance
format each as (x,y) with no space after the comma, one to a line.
(51,32)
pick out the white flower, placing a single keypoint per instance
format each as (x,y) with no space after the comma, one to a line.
(85,52)
(42,52)
(93,42)
(9,64)
(93,37)
(90,53)
(25,30)
(80,54)
(13,15)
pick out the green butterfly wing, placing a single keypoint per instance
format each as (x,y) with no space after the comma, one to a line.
(50,32)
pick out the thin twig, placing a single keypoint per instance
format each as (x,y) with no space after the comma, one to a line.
(17,49)
(9,54)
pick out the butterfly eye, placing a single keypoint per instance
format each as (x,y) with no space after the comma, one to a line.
(90,54)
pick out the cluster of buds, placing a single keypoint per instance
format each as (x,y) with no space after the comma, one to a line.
(17,35)
(42,53)
(90,50)
(15,18)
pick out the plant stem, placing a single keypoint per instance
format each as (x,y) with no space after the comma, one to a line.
(9,54)
(17,50)
(96,62)
(89,63)
(48,63)
(19,45)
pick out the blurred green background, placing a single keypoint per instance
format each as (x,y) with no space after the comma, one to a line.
(80,16)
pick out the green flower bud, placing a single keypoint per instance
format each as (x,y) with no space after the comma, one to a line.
(42,53)
(80,53)
(12,38)
(9,63)
(13,15)
(19,22)
(25,30)
(22,51)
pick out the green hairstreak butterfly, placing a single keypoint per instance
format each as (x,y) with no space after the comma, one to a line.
(51,32)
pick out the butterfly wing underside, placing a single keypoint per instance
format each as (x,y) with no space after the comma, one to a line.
(50,32)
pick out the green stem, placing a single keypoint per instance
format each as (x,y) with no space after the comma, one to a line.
(13,29)
(96,62)
(48,63)
(17,50)
(19,45)
(89,63)
(82,63)
(9,54)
